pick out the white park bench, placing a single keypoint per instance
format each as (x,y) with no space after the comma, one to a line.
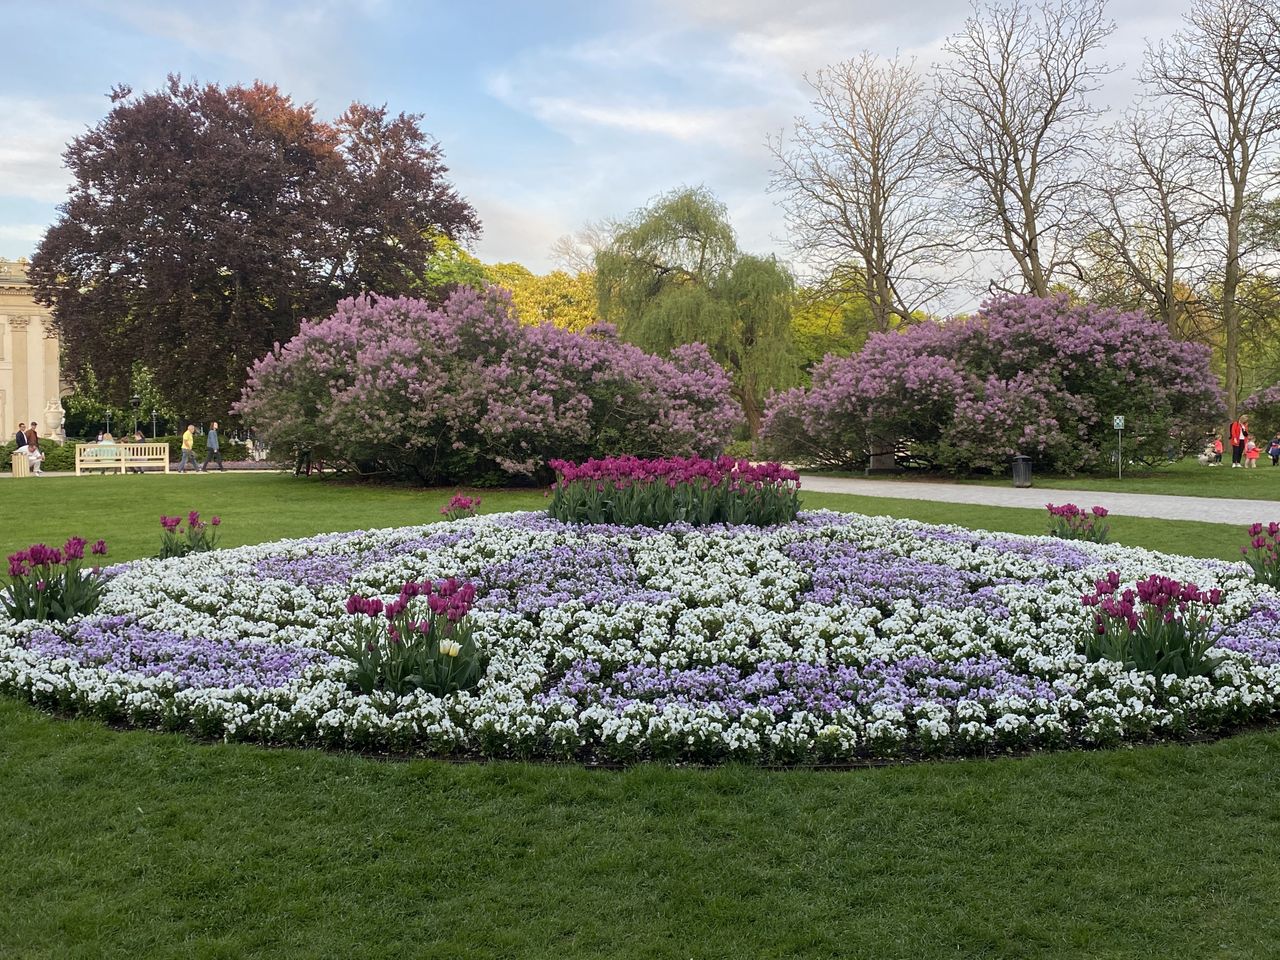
(120,457)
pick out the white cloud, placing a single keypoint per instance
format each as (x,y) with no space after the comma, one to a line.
(33,135)
(302,46)
(564,113)
(18,240)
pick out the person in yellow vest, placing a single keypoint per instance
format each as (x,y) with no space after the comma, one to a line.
(188,448)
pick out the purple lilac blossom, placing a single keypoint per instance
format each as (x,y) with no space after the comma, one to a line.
(1024,375)
(592,573)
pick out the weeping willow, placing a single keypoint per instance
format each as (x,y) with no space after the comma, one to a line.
(673,275)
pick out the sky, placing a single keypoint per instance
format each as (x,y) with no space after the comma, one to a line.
(550,114)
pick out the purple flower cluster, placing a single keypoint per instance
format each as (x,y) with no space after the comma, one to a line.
(593,574)
(620,472)
(41,558)
(1158,596)
(842,571)
(1059,554)
(459,506)
(790,687)
(123,645)
(1257,635)
(314,570)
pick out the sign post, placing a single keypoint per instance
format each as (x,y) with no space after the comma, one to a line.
(1118,423)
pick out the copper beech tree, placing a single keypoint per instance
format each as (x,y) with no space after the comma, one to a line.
(204,223)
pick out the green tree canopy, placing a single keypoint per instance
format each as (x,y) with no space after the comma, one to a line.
(673,274)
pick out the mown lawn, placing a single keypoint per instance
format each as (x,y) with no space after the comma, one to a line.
(256,508)
(1186,478)
(135,844)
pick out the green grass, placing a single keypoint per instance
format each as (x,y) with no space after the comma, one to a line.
(136,844)
(1186,478)
(256,508)
(146,845)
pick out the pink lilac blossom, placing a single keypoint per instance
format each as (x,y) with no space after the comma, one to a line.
(465,391)
(1025,375)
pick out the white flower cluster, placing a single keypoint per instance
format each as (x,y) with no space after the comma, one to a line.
(836,638)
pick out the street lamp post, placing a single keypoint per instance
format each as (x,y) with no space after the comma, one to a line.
(153,424)
(108,421)
(137,405)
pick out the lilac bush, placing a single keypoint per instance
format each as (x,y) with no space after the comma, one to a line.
(1025,375)
(464,392)
(1264,407)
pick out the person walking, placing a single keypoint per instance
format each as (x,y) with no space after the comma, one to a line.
(188,449)
(20,439)
(1239,436)
(1217,450)
(1273,451)
(211,448)
(34,457)
(1251,452)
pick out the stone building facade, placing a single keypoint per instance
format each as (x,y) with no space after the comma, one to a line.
(30,382)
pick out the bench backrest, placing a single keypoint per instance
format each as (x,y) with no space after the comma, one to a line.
(122,451)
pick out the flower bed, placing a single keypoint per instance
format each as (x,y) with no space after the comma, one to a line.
(835,638)
(652,493)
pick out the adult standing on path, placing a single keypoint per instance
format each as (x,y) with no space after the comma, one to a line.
(1239,434)
(211,448)
(188,448)
(20,439)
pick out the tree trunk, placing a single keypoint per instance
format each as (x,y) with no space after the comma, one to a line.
(882,454)
(1231,327)
(751,411)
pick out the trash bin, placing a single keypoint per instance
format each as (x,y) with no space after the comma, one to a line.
(1021,471)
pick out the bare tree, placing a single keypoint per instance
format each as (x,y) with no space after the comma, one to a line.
(1016,127)
(576,252)
(1216,71)
(859,185)
(1144,241)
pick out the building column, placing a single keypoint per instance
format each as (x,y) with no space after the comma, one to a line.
(50,388)
(21,399)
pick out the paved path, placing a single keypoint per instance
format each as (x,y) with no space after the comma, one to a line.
(1210,509)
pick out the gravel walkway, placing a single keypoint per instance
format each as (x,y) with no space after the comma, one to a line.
(1209,509)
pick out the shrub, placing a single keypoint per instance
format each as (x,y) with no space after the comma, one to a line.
(197,537)
(1161,626)
(47,583)
(1263,553)
(465,393)
(1069,522)
(57,456)
(398,647)
(1025,375)
(651,493)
